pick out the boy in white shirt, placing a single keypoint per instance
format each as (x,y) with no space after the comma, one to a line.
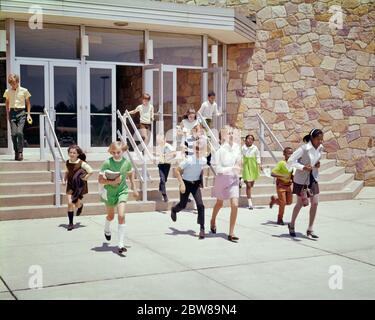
(209,108)
(188,174)
(146,112)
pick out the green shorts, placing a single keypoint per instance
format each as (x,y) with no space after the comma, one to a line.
(114,198)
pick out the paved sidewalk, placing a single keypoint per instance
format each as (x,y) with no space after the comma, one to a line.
(165,260)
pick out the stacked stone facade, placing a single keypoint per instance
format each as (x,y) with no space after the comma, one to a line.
(306,70)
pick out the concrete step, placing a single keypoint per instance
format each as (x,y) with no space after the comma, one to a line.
(153,194)
(36,165)
(25,176)
(262,185)
(46,211)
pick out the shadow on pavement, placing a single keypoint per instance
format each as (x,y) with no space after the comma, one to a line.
(272,223)
(106,247)
(76,225)
(176,232)
(298,235)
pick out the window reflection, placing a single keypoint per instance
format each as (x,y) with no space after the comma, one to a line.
(53,41)
(177,49)
(115,45)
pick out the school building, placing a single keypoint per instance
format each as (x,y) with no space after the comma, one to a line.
(83,60)
(300,64)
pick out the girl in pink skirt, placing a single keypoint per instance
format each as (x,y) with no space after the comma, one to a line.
(226,187)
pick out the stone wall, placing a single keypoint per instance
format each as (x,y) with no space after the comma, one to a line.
(304,73)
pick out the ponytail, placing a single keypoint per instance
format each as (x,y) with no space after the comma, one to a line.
(81,154)
(313,133)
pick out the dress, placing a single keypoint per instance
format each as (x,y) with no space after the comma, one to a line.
(72,169)
(226,185)
(251,160)
(112,195)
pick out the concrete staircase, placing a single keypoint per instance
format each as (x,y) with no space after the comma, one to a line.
(27,189)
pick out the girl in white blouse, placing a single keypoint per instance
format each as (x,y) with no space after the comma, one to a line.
(306,159)
(187,124)
(228,167)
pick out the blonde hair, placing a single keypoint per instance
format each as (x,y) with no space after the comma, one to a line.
(116,145)
(13,77)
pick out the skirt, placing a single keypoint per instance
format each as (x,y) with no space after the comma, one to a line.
(314,188)
(250,171)
(226,187)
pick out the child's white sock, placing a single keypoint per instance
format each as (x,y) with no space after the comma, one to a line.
(249,202)
(121,235)
(107,226)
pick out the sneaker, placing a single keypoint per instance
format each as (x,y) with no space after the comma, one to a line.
(122,249)
(79,211)
(251,208)
(310,234)
(280,222)
(70,227)
(233,238)
(291,231)
(165,198)
(173,215)
(201,234)
(107,236)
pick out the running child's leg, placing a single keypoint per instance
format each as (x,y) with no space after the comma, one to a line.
(215,212)
(107,226)
(70,212)
(121,226)
(249,185)
(79,206)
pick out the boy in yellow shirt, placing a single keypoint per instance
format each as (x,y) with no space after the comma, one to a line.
(283,185)
(17,101)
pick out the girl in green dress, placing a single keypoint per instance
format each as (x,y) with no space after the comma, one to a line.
(251,166)
(116,190)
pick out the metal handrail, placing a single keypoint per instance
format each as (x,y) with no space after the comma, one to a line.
(145,174)
(57,144)
(216,145)
(128,116)
(130,157)
(128,134)
(45,136)
(263,125)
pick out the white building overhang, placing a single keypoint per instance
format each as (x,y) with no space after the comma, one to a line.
(223,24)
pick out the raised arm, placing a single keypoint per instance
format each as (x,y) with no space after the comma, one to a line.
(134,111)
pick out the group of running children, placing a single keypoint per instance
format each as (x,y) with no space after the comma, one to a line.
(296,174)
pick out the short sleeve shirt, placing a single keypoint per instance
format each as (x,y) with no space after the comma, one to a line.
(192,167)
(282,169)
(124,166)
(17,97)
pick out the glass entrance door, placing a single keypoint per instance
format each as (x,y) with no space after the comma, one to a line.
(34,75)
(54,86)
(160,81)
(64,100)
(100,106)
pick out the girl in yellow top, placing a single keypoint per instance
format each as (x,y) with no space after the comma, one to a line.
(284,181)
